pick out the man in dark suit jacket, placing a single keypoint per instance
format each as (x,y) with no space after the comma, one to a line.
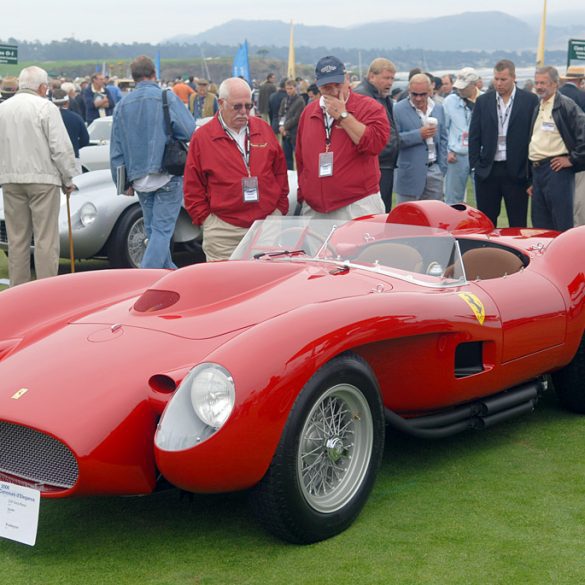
(573,85)
(499,135)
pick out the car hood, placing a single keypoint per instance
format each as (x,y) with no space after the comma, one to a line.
(213,299)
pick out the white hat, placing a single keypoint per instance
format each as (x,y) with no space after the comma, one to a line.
(465,76)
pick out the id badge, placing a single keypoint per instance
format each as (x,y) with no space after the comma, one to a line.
(326,164)
(465,139)
(501,143)
(548,127)
(250,189)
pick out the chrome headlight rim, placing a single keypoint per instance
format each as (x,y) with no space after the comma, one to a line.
(87,214)
(183,425)
(212,393)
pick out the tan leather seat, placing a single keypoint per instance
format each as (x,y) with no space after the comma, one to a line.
(486,263)
(392,255)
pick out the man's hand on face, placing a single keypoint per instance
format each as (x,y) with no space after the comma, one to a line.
(333,106)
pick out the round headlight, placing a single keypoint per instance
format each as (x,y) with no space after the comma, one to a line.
(87,214)
(212,394)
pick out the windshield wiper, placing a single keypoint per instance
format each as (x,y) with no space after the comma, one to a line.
(279,253)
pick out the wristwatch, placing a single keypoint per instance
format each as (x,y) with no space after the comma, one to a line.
(343,116)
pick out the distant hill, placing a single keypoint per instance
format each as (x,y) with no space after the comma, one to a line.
(481,31)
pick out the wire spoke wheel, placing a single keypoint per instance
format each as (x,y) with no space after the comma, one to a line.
(326,462)
(335,448)
(136,242)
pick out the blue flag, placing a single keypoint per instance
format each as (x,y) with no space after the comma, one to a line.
(241,67)
(157,65)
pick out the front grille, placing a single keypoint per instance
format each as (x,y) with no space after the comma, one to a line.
(36,457)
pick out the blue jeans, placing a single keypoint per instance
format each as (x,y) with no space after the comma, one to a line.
(552,198)
(456,180)
(161,209)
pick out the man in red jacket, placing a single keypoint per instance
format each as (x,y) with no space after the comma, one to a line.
(235,172)
(339,139)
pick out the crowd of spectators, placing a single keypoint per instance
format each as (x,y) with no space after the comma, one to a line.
(358,145)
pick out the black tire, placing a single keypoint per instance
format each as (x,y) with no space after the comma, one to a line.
(569,382)
(127,241)
(320,479)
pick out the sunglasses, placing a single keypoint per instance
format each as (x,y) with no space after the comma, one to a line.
(414,94)
(238,107)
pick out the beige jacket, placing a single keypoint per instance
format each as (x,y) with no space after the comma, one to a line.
(34,144)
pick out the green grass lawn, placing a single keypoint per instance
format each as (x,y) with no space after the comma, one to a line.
(504,506)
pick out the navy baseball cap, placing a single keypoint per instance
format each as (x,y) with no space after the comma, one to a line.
(329,70)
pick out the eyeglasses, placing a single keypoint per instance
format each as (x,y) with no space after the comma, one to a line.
(238,107)
(414,94)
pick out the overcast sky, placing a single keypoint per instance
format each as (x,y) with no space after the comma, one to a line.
(130,21)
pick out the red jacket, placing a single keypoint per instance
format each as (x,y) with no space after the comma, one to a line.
(215,168)
(356,172)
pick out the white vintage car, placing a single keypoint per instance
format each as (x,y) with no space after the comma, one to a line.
(106,225)
(96,156)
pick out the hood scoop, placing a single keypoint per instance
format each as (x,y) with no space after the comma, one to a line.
(209,286)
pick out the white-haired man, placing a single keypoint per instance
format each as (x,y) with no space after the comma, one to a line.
(235,173)
(422,159)
(36,160)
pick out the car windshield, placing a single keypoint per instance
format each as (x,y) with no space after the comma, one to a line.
(423,255)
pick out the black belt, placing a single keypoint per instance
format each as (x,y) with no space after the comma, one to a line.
(430,164)
(544,161)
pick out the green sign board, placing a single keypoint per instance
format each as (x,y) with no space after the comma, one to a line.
(576,51)
(9,54)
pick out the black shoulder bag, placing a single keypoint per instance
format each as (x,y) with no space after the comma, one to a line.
(175,155)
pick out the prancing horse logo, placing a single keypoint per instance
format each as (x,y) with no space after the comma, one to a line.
(475,305)
(19,394)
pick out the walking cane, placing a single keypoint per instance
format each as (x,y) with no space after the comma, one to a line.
(71,254)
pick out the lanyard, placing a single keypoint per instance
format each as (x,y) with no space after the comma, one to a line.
(245,153)
(328,128)
(506,113)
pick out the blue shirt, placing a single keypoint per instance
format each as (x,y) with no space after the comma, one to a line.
(457,119)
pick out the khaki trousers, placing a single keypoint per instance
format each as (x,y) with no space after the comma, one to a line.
(220,238)
(369,205)
(31,208)
(579,201)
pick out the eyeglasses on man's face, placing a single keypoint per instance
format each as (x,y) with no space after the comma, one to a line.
(238,107)
(419,95)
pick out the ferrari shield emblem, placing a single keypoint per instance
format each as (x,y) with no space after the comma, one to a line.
(19,394)
(475,305)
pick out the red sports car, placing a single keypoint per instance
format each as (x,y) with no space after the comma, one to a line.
(278,370)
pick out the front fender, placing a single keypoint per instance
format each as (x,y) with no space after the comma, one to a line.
(270,364)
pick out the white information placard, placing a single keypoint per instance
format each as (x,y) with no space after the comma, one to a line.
(19,513)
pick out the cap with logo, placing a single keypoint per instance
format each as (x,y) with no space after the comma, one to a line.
(329,70)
